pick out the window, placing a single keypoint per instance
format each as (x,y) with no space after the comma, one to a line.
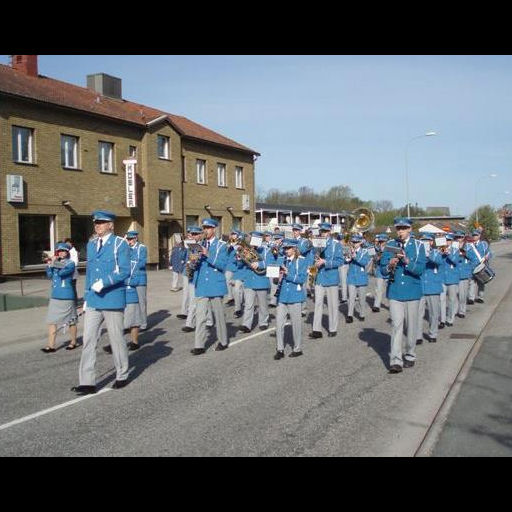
(69,151)
(163,147)
(36,235)
(132,151)
(192,220)
(106,157)
(164,201)
(237,223)
(201,171)
(239,177)
(22,144)
(221,175)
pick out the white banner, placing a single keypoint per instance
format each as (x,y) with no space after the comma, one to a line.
(15,188)
(131,183)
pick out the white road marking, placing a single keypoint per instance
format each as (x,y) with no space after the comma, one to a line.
(252,336)
(51,409)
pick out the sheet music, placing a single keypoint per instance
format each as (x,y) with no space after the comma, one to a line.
(272,271)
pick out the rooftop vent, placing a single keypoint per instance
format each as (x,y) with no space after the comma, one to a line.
(105,85)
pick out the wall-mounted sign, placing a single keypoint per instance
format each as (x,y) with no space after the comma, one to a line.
(246,204)
(131,183)
(15,188)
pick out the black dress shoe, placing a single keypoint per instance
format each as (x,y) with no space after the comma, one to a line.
(108,349)
(220,346)
(263,327)
(480,301)
(375,310)
(361,318)
(449,324)
(315,334)
(187,329)
(84,390)
(461,315)
(237,314)
(48,350)
(197,351)
(133,346)
(295,354)
(118,384)
(279,355)
(183,317)
(408,364)
(441,325)
(395,368)
(471,302)
(432,340)
(243,328)
(419,342)
(332,334)
(350,319)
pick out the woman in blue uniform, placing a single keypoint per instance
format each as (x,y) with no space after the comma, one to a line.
(61,308)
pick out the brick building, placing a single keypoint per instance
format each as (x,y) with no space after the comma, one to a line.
(62,149)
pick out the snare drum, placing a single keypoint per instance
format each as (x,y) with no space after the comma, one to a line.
(483,273)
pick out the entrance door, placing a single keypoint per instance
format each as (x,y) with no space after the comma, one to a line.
(164,233)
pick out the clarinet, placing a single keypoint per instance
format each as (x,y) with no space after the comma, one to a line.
(392,272)
(279,285)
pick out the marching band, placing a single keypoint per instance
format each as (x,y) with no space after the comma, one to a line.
(432,274)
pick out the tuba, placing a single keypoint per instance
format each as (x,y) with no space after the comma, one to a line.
(360,220)
(248,254)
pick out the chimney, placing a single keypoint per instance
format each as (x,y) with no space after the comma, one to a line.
(105,85)
(26,64)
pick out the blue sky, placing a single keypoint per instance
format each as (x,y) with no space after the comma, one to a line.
(339,120)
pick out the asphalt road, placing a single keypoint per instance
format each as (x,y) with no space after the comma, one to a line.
(336,400)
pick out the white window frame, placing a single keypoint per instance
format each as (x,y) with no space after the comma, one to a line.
(64,141)
(102,146)
(203,167)
(221,175)
(166,147)
(17,142)
(239,177)
(168,201)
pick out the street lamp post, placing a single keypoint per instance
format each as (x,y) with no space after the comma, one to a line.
(428,134)
(493,175)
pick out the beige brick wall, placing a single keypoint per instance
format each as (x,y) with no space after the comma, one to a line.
(47,184)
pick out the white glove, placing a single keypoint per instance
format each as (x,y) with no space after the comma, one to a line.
(97,286)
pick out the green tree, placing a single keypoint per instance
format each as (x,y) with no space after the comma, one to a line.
(487,220)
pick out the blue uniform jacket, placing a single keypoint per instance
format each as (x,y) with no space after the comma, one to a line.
(328,274)
(483,249)
(293,289)
(61,281)
(357,274)
(132,297)
(407,283)
(465,267)
(112,265)
(209,278)
(451,271)
(178,258)
(259,282)
(140,254)
(432,276)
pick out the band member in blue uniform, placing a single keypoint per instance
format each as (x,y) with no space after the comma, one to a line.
(256,288)
(231,266)
(432,283)
(291,293)
(327,261)
(61,307)
(465,273)
(140,255)
(276,251)
(176,265)
(343,269)
(380,281)
(305,249)
(239,270)
(478,252)
(210,288)
(404,292)
(357,278)
(108,267)
(451,256)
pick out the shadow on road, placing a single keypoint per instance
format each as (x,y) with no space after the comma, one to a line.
(378,341)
